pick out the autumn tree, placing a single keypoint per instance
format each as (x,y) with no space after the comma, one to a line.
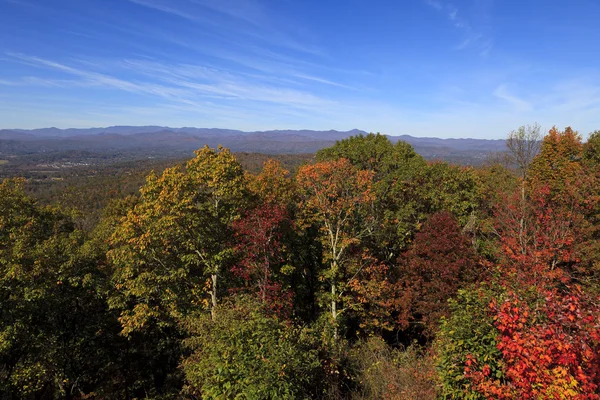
(559,162)
(337,197)
(171,247)
(373,297)
(550,347)
(392,165)
(259,234)
(523,146)
(273,185)
(544,339)
(220,179)
(540,230)
(440,262)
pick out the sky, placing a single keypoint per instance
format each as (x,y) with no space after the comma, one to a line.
(466,68)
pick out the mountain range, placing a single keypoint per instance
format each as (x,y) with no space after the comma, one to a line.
(19,142)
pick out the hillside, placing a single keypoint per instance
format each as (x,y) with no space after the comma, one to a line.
(156,141)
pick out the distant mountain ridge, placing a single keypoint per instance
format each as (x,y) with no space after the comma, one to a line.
(200,132)
(124,138)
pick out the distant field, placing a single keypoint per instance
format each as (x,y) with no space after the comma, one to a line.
(2,162)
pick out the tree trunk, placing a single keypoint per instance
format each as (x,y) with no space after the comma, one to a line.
(213,296)
(334,313)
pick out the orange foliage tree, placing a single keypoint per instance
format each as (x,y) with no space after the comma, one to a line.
(337,197)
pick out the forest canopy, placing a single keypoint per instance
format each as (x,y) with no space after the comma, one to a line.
(367,273)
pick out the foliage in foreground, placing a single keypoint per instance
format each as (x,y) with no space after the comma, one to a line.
(248,354)
(390,373)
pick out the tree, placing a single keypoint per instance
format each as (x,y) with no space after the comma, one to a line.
(538,242)
(374,295)
(177,236)
(338,197)
(222,181)
(393,166)
(588,248)
(52,311)
(549,350)
(540,226)
(273,185)
(259,235)
(434,188)
(558,164)
(249,353)
(591,150)
(468,333)
(440,262)
(375,152)
(523,145)
(498,185)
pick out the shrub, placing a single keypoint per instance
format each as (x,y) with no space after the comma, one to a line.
(384,372)
(467,333)
(247,354)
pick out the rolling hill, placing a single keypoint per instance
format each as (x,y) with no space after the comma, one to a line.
(157,140)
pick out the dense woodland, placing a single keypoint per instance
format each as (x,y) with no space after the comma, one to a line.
(365,273)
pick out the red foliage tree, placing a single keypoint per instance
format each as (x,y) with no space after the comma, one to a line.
(441,261)
(540,227)
(550,349)
(538,240)
(259,235)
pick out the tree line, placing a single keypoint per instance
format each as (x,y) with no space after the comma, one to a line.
(369,273)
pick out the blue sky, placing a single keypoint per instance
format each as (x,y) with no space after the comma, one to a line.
(466,68)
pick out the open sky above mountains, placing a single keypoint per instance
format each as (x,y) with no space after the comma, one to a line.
(467,68)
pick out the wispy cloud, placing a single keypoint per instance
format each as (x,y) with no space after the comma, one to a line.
(181,84)
(226,17)
(245,10)
(35,81)
(224,84)
(323,81)
(519,104)
(435,4)
(167,9)
(473,36)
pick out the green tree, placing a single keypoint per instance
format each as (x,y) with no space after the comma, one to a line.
(393,166)
(437,187)
(468,333)
(247,353)
(52,311)
(591,149)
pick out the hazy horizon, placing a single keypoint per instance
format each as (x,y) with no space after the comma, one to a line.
(226,129)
